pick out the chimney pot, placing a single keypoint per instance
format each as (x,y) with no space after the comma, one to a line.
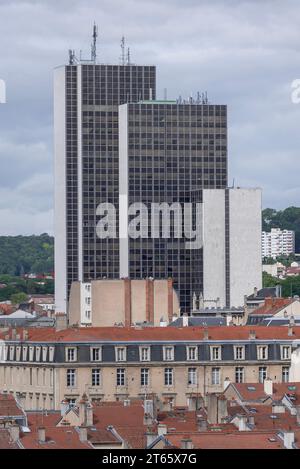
(41,434)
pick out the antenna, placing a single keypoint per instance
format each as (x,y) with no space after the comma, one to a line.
(123,50)
(94,44)
(128,56)
(165,94)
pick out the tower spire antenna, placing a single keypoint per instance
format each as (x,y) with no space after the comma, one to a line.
(94,43)
(128,56)
(123,50)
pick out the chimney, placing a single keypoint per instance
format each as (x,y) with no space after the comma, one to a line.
(89,415)
(290,330)
(14,431)
(174,317)
(186,443)
(185,320)
(268,386)
(162,429)
(82,409)
(202,424)
(127,301)
(242,423)
(83,434)
(212,408)
(61,322)
(222,409)
(201,301)
(170,299)
(288,439)
(205,334)
(255,292)
(64,406)
(252,335)
(126,402)
(226,383)
(25,334)
(41,434)
(13,334)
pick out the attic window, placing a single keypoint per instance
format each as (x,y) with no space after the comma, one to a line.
(251,388)
(273,440)
(272,416)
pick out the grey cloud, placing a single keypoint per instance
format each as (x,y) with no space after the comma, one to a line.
(244,53)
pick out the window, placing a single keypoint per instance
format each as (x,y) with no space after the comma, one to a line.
(95,377)
(44,353)
(262,352)
(31,353)
(168,353)
(285,374)
(120,376)
(215,353)
(168,376)
(38,354)
(51,354)
(120,354)
(262,373)
(145,377)
(192,353)
(145,354)
(285,352)
(71,378)
(215,376)
(71,354)
(96,354)
(192,376)
(239,374)
(239,352)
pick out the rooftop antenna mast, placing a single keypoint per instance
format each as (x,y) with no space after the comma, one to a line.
(128,56)
(94,44)
(123,50)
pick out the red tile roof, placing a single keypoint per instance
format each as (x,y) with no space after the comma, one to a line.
(255,391)
(241,440)
(9,407)
(56,437)
(6,441)
(119,334)
(272,306)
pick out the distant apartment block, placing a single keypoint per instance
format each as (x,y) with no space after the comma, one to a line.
(278,242)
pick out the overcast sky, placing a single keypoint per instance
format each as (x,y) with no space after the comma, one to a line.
(244,53)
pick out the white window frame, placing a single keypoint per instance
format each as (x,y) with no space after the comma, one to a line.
(69,357)
(192,376)
(31,353)
(284,349)
(11,352)
(240,373)
(97,372)
(74,377)
(148,353)
(51,354)
(44,353)
(121,372)
(145,372)
(169,373)
(18,353)
(215,357)
(237,349)
(189,349)
(99,351)
(262,352)
(37,354)
(24,353)
(215,375)
(168,353)
(120,351)
(265,371)
(285,374)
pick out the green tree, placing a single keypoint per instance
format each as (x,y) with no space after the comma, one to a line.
(18,298)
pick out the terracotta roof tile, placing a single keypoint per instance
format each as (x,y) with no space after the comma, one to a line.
(103,334)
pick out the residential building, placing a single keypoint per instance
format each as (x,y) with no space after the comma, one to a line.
(104,303)
(43,367)
(277,243)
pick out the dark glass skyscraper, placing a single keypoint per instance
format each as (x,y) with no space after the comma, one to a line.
(169,153)
(86,101)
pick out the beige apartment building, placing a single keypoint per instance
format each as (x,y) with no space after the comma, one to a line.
(105,303)
(177,366)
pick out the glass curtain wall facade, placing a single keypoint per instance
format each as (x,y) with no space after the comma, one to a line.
(93,94)
(174,151)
